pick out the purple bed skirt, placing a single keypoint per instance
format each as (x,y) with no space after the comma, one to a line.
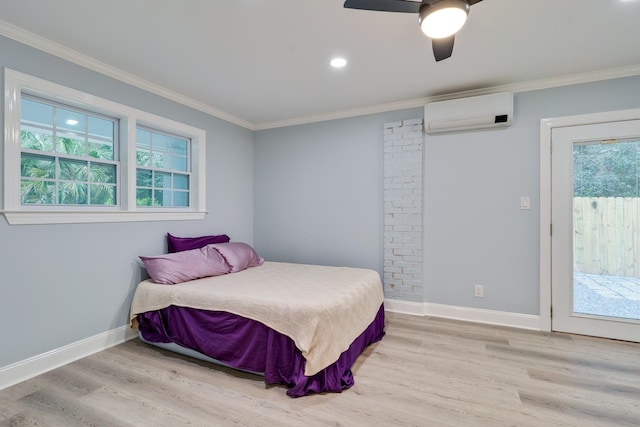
(249,345)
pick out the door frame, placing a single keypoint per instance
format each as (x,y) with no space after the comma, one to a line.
(546,127)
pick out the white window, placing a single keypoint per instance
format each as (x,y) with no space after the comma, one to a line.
(72,157)
(162,169)
(67,156)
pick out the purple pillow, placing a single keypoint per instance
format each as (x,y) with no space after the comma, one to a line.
(183,266)
(179,244)
(239,256)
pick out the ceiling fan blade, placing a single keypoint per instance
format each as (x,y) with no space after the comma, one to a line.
(384,5)
(442,48)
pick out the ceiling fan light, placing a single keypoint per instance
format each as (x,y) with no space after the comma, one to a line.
(443,18)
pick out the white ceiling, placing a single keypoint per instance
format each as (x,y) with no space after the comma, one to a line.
(261,63)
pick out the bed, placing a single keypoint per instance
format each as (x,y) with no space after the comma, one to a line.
(299,325)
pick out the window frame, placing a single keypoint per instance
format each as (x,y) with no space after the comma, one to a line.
(16,83)
(59,156)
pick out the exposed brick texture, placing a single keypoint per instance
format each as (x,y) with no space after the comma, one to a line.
(403,143)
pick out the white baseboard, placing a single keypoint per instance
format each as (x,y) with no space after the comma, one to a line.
(491,317)
(404,307)
(29,368)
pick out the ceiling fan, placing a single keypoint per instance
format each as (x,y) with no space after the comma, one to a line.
(438,19)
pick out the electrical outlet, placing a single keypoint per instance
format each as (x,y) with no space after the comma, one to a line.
(479,291)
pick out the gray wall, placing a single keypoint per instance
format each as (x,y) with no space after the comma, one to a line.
(62,283)
(319,191)
(319,196)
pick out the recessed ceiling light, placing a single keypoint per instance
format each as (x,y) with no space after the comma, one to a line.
(71,122)
(338,62)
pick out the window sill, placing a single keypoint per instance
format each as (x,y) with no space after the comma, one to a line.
(67,217)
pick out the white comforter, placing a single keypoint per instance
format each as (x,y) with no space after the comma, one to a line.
(322,309)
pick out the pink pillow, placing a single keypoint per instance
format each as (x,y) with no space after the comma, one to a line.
(179,267)
(239,256)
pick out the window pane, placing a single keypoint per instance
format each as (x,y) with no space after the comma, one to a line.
(143,139)
(181,182)
(161,142)
(158,160)
(36,113)
(607,170)
(73,193)
(162,180)
(103,173)
(36,139)
(101,128)
(143,158)
(180,198)
(37,192)
(70,120)
(104,195)
(37,166)
(143,178)
(179,163)
(70,144)
(74,170)
(161,198)
(143,197)
(179,147)
(101,150)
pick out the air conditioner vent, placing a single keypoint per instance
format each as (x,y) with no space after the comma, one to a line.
(464,114)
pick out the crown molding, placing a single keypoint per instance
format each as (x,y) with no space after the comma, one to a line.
(20,35)
(607,74)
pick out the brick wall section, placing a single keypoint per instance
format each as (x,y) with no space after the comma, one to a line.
(403,143)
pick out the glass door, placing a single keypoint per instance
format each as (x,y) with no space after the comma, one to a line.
(596,230)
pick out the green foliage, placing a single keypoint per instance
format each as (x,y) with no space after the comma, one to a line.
(607,170)
(36,140)
(48,179)
(144,197)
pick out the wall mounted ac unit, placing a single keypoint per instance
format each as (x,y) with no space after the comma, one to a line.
(477,112)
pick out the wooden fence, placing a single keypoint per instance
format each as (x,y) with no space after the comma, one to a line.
(607,235)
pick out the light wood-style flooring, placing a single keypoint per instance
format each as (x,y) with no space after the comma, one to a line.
(425,372)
